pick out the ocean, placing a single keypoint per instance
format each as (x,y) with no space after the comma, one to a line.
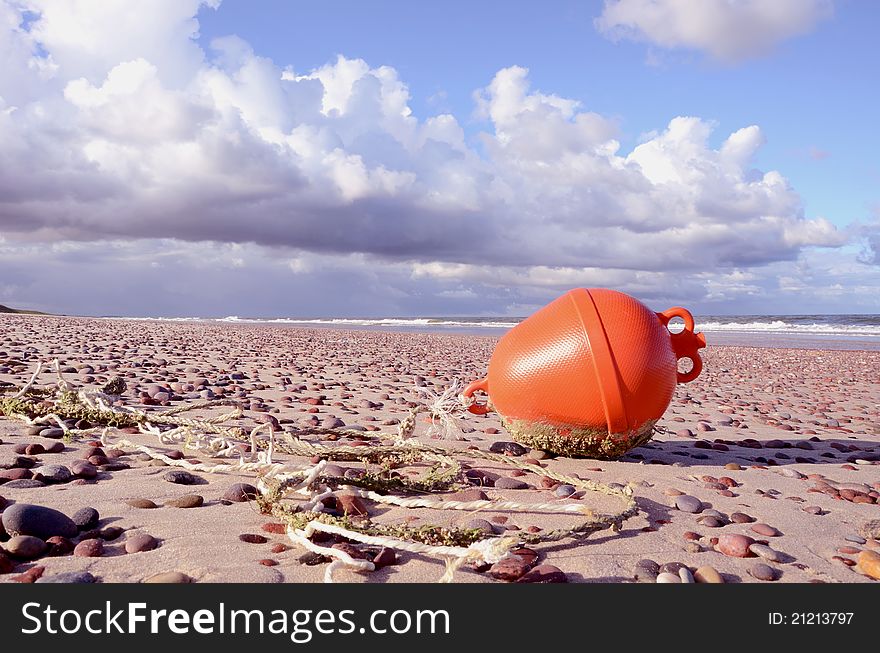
(856,331)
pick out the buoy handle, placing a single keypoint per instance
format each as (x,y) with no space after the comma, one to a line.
(686,343)
(483,386)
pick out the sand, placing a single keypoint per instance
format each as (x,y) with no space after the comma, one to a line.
(810,420)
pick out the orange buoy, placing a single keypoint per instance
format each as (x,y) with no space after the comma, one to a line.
(589,374)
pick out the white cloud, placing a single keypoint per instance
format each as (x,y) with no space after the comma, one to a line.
(151,139)
(728,30)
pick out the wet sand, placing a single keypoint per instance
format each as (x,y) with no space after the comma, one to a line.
(779,446)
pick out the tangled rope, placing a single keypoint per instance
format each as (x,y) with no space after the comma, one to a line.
(282,484)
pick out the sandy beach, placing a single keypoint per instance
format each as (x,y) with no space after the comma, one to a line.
(767,467)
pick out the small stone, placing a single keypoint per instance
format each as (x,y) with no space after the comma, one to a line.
(510,568)
(507,483)
(763,572)
(646,571)
(765,552)
(186,501)
(707,574)
(59,546)
(685,575)
(110,533)
(736,546)
(83,469)
(385,557)
(855,538)
(711,522)
(564,490)
(765,529)
(86,518)
(39,521)
(145,504)
(24,484)
(672,567)
(77,577)
(240,492)
(741,518)
(667,577)
(481,525)
(310,559)
(544,574)
(508,448)
(89,549)
(6,563)
(181,477)
(140,542)
(32,575)
(351,504)
(169,577)
(274,528)
(52,474)
(687,503)
(252,538)
(268,562)
(26,547)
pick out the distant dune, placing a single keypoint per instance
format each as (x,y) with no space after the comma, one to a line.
(6,309)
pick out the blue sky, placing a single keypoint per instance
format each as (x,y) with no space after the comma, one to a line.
(813,96)
(401,158)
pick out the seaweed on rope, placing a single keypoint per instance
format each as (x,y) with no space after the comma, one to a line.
(295,494)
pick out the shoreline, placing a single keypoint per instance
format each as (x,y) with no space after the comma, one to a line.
(773,445)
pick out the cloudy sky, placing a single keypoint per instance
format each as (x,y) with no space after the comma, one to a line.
(355,158)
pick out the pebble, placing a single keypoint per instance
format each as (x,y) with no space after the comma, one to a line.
(544,574)
(279,548)
(240,492)
(77,577)
(765,529)
(145,504)
(6,564)
(182,477)
(59,546)
(667,577)
(507,483)
(735,546)
(93,548)
(510,568)
(52,474)
(707,574)
(42,522)
(741,518)
(687,503)
(672,567)
(711,522)
(646,571)
(169,577)
(186,501)
(685,575)
(26,547)
(140,542)
(481,525)
(351,504)
(869,564)
(83,469)
(85,518)
(564,490)
(763,572)
(385,557)
(509,448)
(24,484)
(252,538)
(30,576)
(765,552)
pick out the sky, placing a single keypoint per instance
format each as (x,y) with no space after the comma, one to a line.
(356,159)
